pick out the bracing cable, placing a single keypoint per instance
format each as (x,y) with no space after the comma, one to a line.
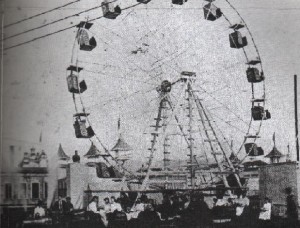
(40,14)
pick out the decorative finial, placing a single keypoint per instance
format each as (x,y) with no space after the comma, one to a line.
(119,123)
(274,139)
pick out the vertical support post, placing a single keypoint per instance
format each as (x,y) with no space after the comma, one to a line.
(296,117)
(162,105)
(191,139)
(166,139)
(166,153)
(1,85)
(200,110)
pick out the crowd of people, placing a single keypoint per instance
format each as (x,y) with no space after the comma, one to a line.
(190,210)
(179,210)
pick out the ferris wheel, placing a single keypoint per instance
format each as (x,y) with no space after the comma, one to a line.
(183,71)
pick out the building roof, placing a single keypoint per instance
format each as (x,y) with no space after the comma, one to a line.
(121,145)
(274,153)
(255,163)
(61,154)
(93,152)
(33,170)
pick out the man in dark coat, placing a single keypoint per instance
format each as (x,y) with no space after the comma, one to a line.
(291,208)
(69,205)
(60,205)
(149,217)
(197,213)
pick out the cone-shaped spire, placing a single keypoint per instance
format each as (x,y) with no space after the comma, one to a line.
(275,153)
(121,145)
(93,152)
(61,154)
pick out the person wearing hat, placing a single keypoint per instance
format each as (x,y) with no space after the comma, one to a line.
(39,211)
(69,206)
(291,208)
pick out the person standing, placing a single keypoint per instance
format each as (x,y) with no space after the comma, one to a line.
(265,214)
(291,208)
(59,205)
(69,206)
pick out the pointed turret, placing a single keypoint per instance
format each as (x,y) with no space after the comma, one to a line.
(61,154)
(93,152)
(124,148)
(121,145)
(274,155)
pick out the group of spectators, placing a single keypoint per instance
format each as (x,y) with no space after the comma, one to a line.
(180,209)
(60,206)
(122,212)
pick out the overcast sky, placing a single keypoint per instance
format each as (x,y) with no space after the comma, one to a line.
(173,39)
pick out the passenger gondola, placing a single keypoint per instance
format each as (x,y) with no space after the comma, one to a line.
(237,40)
(179,2)
(109,10)
(211,12)
(72,80)
(259,113)
(81,130)
(85,42)
(254,76)
(253,150)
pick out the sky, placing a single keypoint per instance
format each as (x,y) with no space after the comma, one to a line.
(122,84)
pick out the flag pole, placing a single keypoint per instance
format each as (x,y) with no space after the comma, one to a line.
(296,117)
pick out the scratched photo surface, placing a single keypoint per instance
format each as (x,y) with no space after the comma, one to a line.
(126,62)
